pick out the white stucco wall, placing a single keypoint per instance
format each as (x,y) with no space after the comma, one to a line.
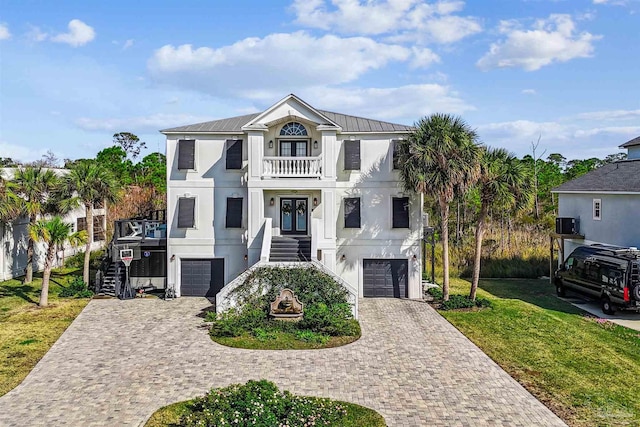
(618,224)
(376,183)
(13,246)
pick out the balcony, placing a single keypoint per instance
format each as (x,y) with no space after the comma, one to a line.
(292,167)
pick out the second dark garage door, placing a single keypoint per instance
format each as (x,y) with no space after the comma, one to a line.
(385,278)
(201,277)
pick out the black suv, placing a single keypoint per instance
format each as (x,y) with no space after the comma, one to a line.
(610,274)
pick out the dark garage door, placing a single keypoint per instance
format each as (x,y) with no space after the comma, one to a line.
(201,277)
(385,278)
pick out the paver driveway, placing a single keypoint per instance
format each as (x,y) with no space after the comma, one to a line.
(119,361)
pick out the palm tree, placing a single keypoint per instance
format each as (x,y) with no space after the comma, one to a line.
(441,156)
(54,232)
(9,202)
(36,188)
(504,182)
(92,183)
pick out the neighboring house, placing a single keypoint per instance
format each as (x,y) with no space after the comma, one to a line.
(605,202)
(292,183)
(14,236)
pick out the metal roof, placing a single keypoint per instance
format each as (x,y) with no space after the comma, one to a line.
(347,123)
(635,141)
(622,176)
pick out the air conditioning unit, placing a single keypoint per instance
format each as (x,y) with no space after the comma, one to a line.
(566,225)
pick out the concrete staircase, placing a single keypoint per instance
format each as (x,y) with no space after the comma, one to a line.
(290,249)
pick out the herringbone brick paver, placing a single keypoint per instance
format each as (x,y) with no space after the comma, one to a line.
(119,361)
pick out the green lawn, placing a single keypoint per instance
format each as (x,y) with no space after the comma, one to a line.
(282,341)
(26,331)
(586,371)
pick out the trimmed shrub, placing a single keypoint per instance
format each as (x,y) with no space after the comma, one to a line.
(76,289)
(435,292)
(462,301)
(326,310)
(261,403)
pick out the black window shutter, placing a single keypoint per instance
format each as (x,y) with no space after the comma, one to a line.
(352,212)
(352,155)
(396,147)
(400,212)
(186,210)
(234,154)
(186,154)
(234,212)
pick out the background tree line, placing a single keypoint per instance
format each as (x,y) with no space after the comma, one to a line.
(495,209)
(112,180)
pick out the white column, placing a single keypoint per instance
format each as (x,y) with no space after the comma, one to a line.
(255,151)
(328,214)
(329,154)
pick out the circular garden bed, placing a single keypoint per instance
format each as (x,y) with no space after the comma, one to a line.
(327,318)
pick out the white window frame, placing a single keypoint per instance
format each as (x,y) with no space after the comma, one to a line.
(598,203)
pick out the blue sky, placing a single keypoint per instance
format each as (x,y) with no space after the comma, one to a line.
(72,73)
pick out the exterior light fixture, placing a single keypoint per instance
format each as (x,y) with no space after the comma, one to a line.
(271,144)
(315,201)
(272,202)
(414,257)
(246,257)
(173,257)
(343,257)
(315,144)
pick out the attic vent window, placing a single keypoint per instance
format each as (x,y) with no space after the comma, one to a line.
(293,129)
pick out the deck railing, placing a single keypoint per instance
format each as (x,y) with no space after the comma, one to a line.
(292,167)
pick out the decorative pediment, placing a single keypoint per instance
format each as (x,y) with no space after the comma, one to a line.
(290,109)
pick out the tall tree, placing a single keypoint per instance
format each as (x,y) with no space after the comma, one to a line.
(504,183)
(130,143)
(92,183)
(54,233)
(37,188)
(441,156)
(152,171)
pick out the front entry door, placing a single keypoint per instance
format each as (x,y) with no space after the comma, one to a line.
(293,216)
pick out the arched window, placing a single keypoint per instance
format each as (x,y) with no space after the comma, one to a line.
(293,129)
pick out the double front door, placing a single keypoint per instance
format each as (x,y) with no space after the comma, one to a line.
(293,215)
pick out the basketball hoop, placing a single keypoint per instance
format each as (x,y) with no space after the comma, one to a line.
(126,255)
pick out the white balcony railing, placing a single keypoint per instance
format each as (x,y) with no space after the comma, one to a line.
(292,167)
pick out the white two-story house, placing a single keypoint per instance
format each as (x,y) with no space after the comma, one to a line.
(292,183)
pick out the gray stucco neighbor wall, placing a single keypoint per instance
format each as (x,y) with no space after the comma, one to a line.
(620,223)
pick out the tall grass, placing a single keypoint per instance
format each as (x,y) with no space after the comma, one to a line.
(521,252)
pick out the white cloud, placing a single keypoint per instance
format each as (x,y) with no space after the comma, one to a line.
(79,34)
(406,20)
(151,123)
(5,34)
(35,34)
(573,140)
(611,115)
(528,91)
(407,103)
(612,2)
(628,131)
(277,62)
(127,44)
(554,39)
(423,57)
(20,152)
